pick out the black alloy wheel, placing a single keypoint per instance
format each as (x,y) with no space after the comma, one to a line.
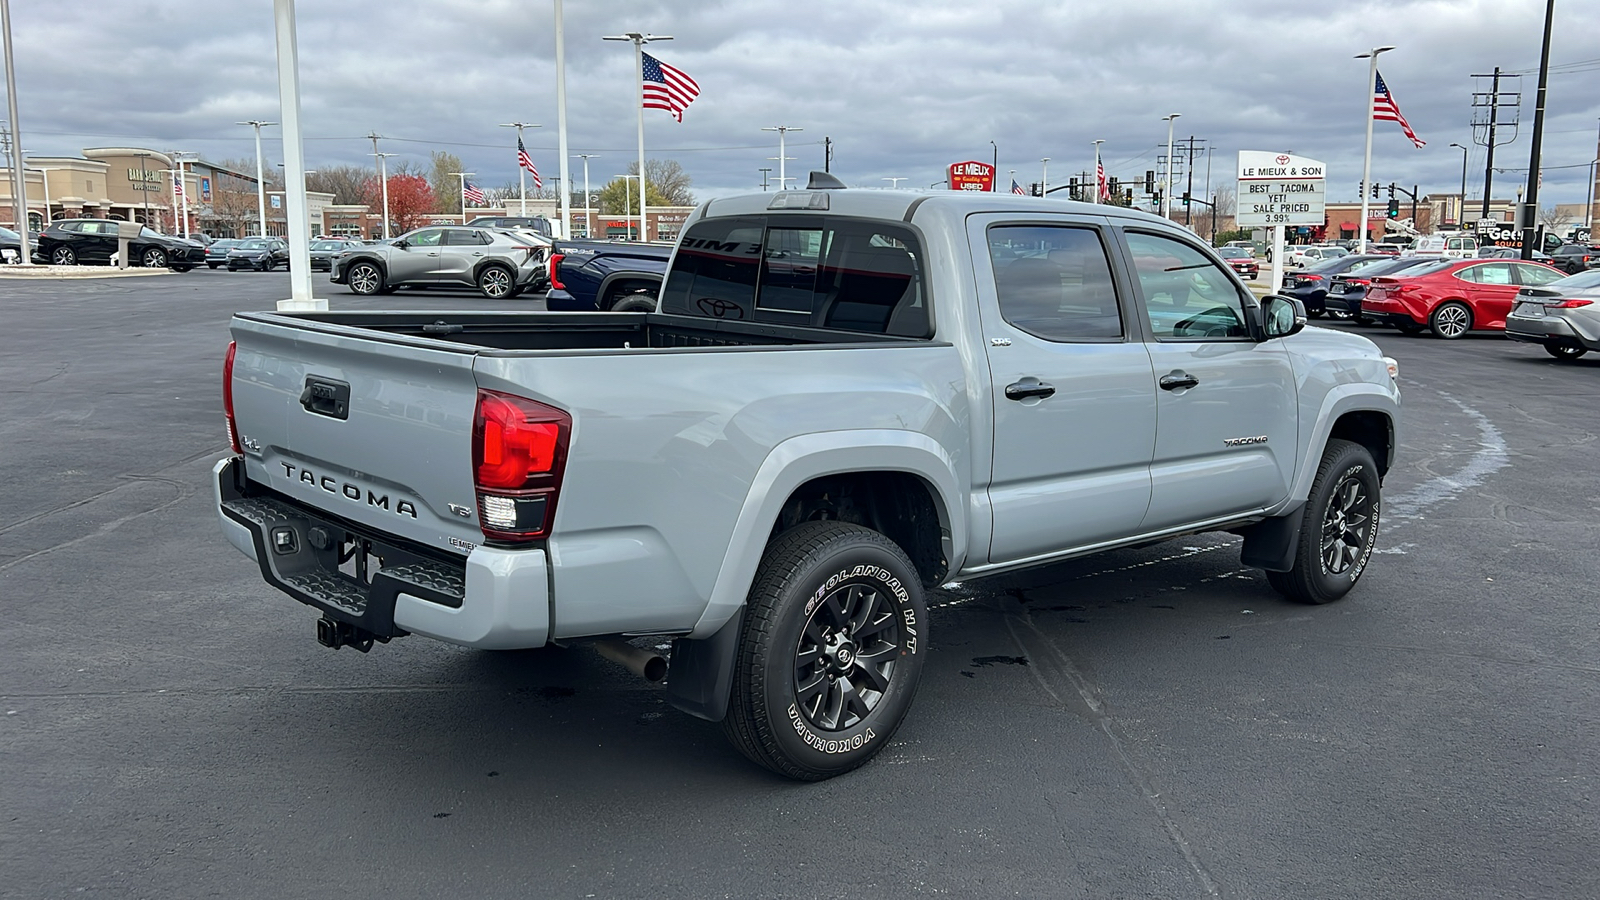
(63,256)
(833,640)
(1339,528)
(154,258)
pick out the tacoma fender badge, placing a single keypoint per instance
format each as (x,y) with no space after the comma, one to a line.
(1244,441)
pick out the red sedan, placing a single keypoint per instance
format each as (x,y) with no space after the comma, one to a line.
(1242,262)
(1453,297)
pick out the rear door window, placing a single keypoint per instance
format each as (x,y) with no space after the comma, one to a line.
(1054,282)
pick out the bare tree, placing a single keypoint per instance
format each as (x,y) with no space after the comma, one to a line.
(669,183)
(1554,218)
(1226,202)
(233,210)
(347,184)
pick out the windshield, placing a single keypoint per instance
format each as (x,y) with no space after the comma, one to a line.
(8,233)
(147,232)
(256,244)
(1430,268)
(328,245)
(1233,253)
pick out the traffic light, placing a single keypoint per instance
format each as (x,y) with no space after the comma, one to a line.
(1374,190)
(1394,208)
(1391,190)
(1115,187)
(1127,196)
(1149,181)
(1035,189)
(1072,188)
(1185,198)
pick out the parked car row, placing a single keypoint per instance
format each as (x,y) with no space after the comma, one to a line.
(71,242)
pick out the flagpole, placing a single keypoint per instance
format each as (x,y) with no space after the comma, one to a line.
(522,173)
(565,229)
(1097,170)
(463,177)
(1366,166)
(638,72)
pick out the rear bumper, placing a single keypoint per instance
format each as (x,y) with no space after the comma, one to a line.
(1343,303)
(1548,330)
(558,300)
(493,599)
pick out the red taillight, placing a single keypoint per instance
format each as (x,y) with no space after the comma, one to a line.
(1310,277)
(555,266)
(227,396)
(1407,287)
(1360,281)
(1569,304)
(519,450)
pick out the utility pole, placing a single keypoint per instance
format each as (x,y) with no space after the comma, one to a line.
(827,154)
(1530,229)
(1486,124)
(19,178)
(1188,164)
(1166,194)
(1044,176)
(995,169)
(383,181)
(782,130)
(764,170)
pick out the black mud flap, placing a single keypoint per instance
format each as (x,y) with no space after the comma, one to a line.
(1271,543)
(700,678)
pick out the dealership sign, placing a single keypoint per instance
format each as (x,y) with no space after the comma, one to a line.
(1280,189)
(971,176)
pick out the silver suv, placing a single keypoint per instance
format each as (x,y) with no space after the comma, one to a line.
(498,263)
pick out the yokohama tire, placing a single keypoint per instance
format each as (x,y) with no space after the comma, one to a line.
(364,278)
(835,633)
(1339,530)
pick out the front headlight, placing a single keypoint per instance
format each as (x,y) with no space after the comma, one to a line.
(1393,367)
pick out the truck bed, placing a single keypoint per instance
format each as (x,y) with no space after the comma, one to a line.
(533,331)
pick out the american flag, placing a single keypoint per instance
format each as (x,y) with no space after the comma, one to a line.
(1384,109)
(1017,188)
(667,88)
(471,192)
(526,162)
(1100,180)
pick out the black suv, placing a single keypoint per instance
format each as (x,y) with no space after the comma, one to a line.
(1574,258)
(71,242)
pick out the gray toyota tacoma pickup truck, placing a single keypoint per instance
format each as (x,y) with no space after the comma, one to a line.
(845,398)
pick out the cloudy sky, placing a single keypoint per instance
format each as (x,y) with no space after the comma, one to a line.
(903,87)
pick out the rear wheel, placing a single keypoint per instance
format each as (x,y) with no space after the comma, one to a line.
(1339,530)
(496,282)
(834,635)
(1451,320)
(1565,351)
(638,301)
(364,278)
(154,258)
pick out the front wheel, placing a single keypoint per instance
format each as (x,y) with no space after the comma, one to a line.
(1339,530)
(834,635)
(638,301)
(63,256)
(364,278)
(1565,351)
(1451,320)
(154,258)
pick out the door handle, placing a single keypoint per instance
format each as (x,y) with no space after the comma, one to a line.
(1029,387)
(1178,380)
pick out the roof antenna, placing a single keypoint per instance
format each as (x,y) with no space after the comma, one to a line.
(823,181)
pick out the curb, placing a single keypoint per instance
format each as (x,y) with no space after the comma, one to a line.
(73,272)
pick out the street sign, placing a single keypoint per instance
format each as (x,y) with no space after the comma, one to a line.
(1280,189)
(971,176)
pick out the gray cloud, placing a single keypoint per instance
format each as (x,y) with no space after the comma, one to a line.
(903,88)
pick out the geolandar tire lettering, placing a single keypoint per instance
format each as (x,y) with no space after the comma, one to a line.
(1339,530)
(834,638)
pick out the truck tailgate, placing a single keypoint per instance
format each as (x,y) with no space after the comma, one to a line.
(374,430)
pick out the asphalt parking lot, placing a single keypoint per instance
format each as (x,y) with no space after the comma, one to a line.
(1146,723)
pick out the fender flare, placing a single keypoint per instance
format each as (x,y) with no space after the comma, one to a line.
(606,282)
(802,458)
(1344,398)
(371,258)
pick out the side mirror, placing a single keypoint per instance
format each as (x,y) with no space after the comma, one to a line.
(1281,316)
(401,244)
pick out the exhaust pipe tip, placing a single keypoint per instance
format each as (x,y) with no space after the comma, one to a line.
(652,667)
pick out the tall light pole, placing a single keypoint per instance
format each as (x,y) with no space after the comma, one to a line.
(565,229)
(639,40)
(462,191)
(261,183)
(1530,228)
(627,205)
(588,198)
(1166,186)
(522,174)
(1461,208)
(383,180)
(1366,165)
(782,157)
(894,182)
(1044,177)
(1013,174)
(19,178)
(995,169)
(44,176)
(1097,169)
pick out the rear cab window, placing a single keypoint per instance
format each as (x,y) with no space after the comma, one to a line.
(828,272)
